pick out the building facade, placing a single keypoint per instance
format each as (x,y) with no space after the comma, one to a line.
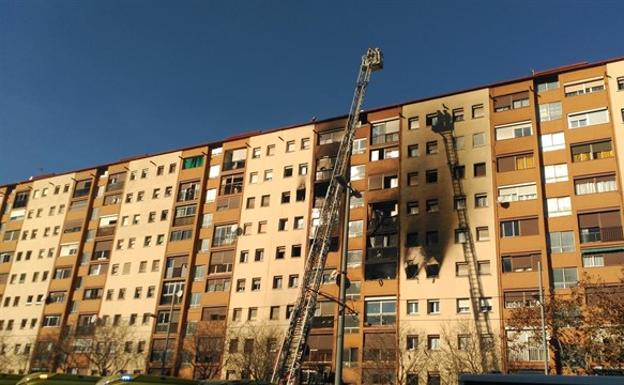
(188,262)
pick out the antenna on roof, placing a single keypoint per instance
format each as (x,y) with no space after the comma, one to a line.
(532,72)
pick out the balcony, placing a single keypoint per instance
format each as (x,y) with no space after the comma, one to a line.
(226,240)
(116,186)
(601,234)
(526,354)
(166,299)
(157,355)
(385,138)
(105,231)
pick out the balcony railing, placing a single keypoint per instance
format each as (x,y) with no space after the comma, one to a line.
(225,240)
(176,272)
(157,355)
(105,231)
(383,225)
(326,321)
(188,195)
(162,327)
(324,174)
(166,299)
(601,234)
(184,221)
(379,254)
(85,330)
(385,138)
(527,354)
(114,186)
(82,192)
(101,255)
(235,165)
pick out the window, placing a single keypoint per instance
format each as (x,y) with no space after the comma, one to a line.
(586,86)
(514,162)
(193,162)
(597,260)
(520,262)
(277,282)
(240,285)
(461,235)
(412,178)
(431,176)
(511,101)
(384,153)
(288,171)
(520,192)
(461,269)
(593,185)
(620,83)
(413,123)
(556,173)
(431,147)
(280,252)
(295,251)
(293,280)
(483,234)
(432,206)
(479,139)
(356,228)
(255,152)
(519,227)
(433,306)
(478,111)
(385,132)
(591,151)
(561,241)
(514,130)
(270,151)
(268,175)
(224,235)
(358,172)
(231,184)
(259,255)
(588,118)
(380,311)
(565,277)
(558,207)
(463,305)
(412,151)
(359,146)
(548,84)
(550,111)
(305,143)
(481,200)
(479,170)
(412,208)
(282,224)
(290,146)
(458,114)
(600,226)
(432,238)
(412,307)
(485,304)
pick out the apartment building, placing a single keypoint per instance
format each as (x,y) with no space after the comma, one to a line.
(186,258)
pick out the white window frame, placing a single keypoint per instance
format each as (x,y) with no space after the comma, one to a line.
(552,142)
(588,118)
(559,206)
(554,173)
(516,193)
(513,130)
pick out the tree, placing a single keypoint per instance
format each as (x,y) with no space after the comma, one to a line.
(203,350)
(584,327)
(108,350)
(463,350)
(259,350)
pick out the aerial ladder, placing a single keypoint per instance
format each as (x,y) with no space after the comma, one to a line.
(444,126)
(290,356)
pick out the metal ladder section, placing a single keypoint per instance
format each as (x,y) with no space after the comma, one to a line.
(290,356)
(481,319)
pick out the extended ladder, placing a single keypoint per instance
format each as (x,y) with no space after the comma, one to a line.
(289,358)
(444,126)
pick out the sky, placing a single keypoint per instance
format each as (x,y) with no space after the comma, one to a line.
(88,82)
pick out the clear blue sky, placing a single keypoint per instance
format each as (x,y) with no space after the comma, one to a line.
(88,82)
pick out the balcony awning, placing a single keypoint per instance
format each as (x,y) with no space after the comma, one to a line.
(611,249)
